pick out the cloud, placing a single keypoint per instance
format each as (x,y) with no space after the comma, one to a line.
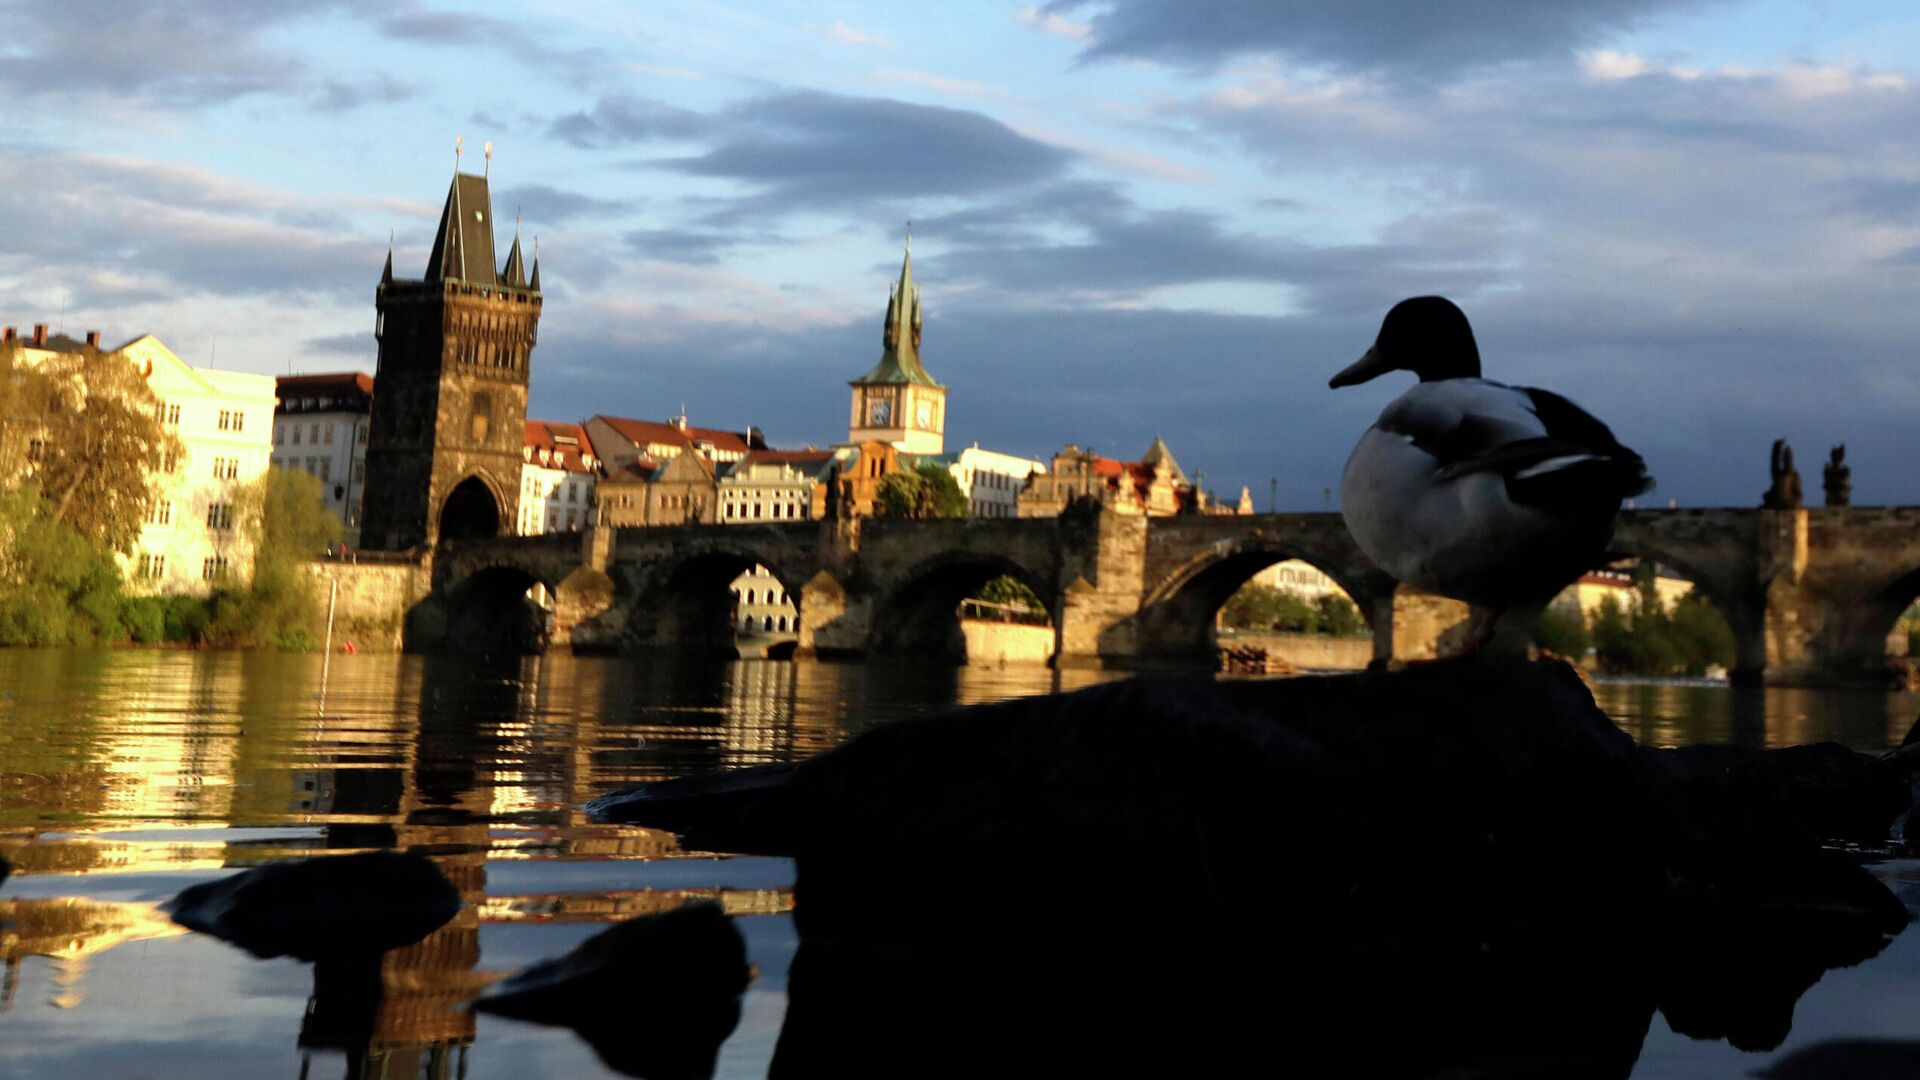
(359,346)
(812,149)
(146,55)
(1415,40)
(849,35)
(1052,22)
(623,119)
(552,206)
(161,226)
(339,95)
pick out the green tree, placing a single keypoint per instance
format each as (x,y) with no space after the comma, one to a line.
(928,492)
(1338,616)
(55,587)
(285,515)
(96,440)
(1563,632)
(1010,591)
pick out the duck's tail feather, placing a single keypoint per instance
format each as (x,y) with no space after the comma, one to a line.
(1586,481)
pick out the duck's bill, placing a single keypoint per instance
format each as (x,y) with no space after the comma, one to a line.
(1361,370)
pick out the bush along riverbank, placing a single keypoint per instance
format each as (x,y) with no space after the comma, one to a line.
(59,586)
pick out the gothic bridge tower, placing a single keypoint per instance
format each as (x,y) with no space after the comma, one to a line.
(449,409)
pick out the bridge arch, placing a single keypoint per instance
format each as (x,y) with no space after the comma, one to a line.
(919,615)
(1178,616)
(1859,646)
(687,603)
(472,509)
(498,609)
(1740,598)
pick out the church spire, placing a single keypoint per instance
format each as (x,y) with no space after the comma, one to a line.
(386,275)
(900,362)
(534,281)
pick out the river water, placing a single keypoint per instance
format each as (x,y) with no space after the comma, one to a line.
(126,776)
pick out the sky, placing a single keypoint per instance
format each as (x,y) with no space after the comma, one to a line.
(1698,218)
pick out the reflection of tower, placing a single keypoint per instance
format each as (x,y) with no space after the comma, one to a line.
(443,451)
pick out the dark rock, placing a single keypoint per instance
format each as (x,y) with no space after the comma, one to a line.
(330,906)
(5,869)
(1461,865)
(654,996)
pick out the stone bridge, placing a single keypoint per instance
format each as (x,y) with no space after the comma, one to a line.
(1811,594)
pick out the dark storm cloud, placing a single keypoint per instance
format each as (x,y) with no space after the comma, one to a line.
(1412,39)
(809,150)
(622,119)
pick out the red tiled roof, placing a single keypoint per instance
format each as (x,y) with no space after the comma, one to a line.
(336,382)
(648,432)
(788,457)
(552,437)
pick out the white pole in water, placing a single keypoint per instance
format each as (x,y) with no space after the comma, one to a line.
(326,657)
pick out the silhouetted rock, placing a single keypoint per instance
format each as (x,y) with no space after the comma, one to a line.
(5,869)
(1461,865)
(323,907)
(1848,1059)
(654,996)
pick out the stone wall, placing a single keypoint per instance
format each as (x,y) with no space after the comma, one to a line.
(1312,652)
(997,643)
(370,609)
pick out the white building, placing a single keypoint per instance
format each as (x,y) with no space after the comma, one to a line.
(193,537)
(775,485)
(320,428)
(558,476)
(990,480)
(1301,578)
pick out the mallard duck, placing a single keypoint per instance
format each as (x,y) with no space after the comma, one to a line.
(1492,494)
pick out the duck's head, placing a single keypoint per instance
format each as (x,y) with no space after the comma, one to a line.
(1426,335)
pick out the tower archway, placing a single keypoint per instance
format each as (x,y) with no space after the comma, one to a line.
(470,512)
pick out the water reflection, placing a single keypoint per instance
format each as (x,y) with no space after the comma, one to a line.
(125,775)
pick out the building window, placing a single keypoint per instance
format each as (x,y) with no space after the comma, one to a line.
(313,434)
(767,623)
(161,512)
(296,434)
(220,516)
(226,468)
(151,566)
(232,420)
(279,436)
(213,568)
(168,413)
(573,492)
(326,468)
(360,434)
(327,432)
(359,471)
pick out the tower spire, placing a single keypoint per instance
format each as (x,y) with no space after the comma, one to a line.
(386,275)
(534,281)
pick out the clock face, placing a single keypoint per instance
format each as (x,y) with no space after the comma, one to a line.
(878,413)
(924,414)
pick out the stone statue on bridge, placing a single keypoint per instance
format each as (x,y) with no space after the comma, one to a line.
(1785,494)
(1837,478)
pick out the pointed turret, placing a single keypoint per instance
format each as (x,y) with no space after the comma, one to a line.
(900,362)
(534,281)
(1158,454)
(463,245)
(386,275)
(514,275)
